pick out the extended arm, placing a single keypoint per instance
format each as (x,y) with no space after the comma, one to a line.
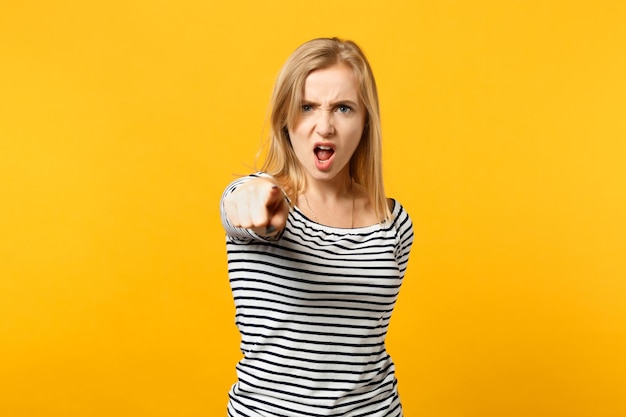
(254,206)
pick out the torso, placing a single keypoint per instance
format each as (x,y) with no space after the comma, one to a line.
(313,310)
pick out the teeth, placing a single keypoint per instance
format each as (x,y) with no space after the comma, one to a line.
(325,148)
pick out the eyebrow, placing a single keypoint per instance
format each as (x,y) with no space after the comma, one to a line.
(332,103)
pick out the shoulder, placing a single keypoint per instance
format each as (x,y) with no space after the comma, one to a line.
(396,208)
(400,218)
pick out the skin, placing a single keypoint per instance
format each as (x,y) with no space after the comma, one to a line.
(258,205)
(332,117)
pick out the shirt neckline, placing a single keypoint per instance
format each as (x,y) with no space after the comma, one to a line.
(348,230)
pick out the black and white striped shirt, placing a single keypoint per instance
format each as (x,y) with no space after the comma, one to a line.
(313,306)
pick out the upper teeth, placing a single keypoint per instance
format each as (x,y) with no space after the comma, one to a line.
(325,148)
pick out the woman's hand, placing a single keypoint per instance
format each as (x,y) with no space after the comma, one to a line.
(259,205)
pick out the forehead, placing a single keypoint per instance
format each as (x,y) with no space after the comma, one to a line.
(335,82)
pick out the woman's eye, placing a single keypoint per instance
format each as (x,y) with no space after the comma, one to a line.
(307,107)
(344,109)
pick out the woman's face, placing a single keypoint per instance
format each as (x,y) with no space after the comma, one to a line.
(330,124)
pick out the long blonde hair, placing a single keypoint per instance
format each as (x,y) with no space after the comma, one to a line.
(285,106)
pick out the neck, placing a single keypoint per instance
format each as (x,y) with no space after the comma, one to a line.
(330,191)
(332,206)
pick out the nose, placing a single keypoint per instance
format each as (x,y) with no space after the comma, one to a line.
(324,126)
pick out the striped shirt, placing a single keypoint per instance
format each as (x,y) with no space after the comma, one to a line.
(313,306)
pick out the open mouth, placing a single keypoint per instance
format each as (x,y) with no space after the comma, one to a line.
(323,153)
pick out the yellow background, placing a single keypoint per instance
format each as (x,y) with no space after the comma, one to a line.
(121,122)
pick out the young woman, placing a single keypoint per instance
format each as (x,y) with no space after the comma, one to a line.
(316,252)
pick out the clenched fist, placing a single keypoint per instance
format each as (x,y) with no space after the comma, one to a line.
(258,205)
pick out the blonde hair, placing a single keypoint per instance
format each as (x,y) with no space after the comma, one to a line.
(285,106)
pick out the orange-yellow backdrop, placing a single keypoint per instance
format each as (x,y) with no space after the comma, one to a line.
(122,121)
